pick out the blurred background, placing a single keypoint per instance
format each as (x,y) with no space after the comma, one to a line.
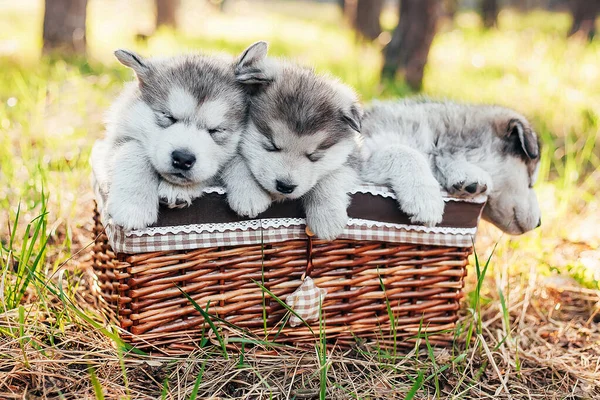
(541,57)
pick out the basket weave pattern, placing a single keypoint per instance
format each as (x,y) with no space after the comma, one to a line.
(420,284)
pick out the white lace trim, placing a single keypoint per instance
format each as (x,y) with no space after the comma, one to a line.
(417,228)
(479,199)
(214,189)
(276,223)
(384,191)
(375,190)
(253,224)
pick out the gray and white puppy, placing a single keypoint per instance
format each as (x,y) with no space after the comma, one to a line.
(170,133)
(469,149)
(302,132)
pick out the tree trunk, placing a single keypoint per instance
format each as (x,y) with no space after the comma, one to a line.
(166,13)
(407,52)
(64,26)
(450,7)
(489,13)
(584,17)
(366,21)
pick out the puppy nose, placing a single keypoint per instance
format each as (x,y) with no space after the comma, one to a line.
(284,187)
(182,160)
(539,223)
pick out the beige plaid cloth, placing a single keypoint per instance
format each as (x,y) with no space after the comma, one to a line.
(306,302)
(277,230)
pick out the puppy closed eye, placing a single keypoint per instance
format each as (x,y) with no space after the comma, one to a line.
(320,151)
(214,131)
(316,156)
(166,119)
(271,147)
(219,134)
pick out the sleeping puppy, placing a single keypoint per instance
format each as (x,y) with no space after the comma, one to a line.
(470,150)
(300,141)
(170,133)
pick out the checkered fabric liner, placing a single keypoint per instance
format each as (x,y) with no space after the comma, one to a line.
(306,302)
(279,230)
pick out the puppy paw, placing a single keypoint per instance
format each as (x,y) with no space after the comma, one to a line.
(468,184)
(467,189)
(249,203)
(175,196)
(425,206)
(132,216)
(327,222)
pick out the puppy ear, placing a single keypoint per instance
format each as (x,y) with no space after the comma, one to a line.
(353,117)
(133,61)
(250,67)
(526,137)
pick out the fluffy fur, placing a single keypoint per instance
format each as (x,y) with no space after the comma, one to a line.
(469,149)
(170,133)
(301,135)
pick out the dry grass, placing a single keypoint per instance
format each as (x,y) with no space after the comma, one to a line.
(554,333)
(540,331)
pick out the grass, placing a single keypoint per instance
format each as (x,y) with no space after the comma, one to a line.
(26,264)
(529,327)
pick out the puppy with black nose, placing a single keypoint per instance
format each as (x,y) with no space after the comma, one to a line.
(183,160)
(418,146)
(300,142)
(170,133)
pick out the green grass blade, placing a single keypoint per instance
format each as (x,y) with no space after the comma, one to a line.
(96,384)
(322,353)
(196,388)
(165,389)
(33,269)
(208,320)
(13,294)
(390,314)
(14,229)
(262,280)
(94,324)
(417,385)
(434,364)
(284,305)
(286,317)
(123,371)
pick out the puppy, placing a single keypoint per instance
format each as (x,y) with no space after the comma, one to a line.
(170,133)
(469,149)
(300,141)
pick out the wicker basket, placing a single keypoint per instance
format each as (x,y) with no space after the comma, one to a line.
(417,275)
(381,264)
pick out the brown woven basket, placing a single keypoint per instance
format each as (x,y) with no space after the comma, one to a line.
(365,279)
